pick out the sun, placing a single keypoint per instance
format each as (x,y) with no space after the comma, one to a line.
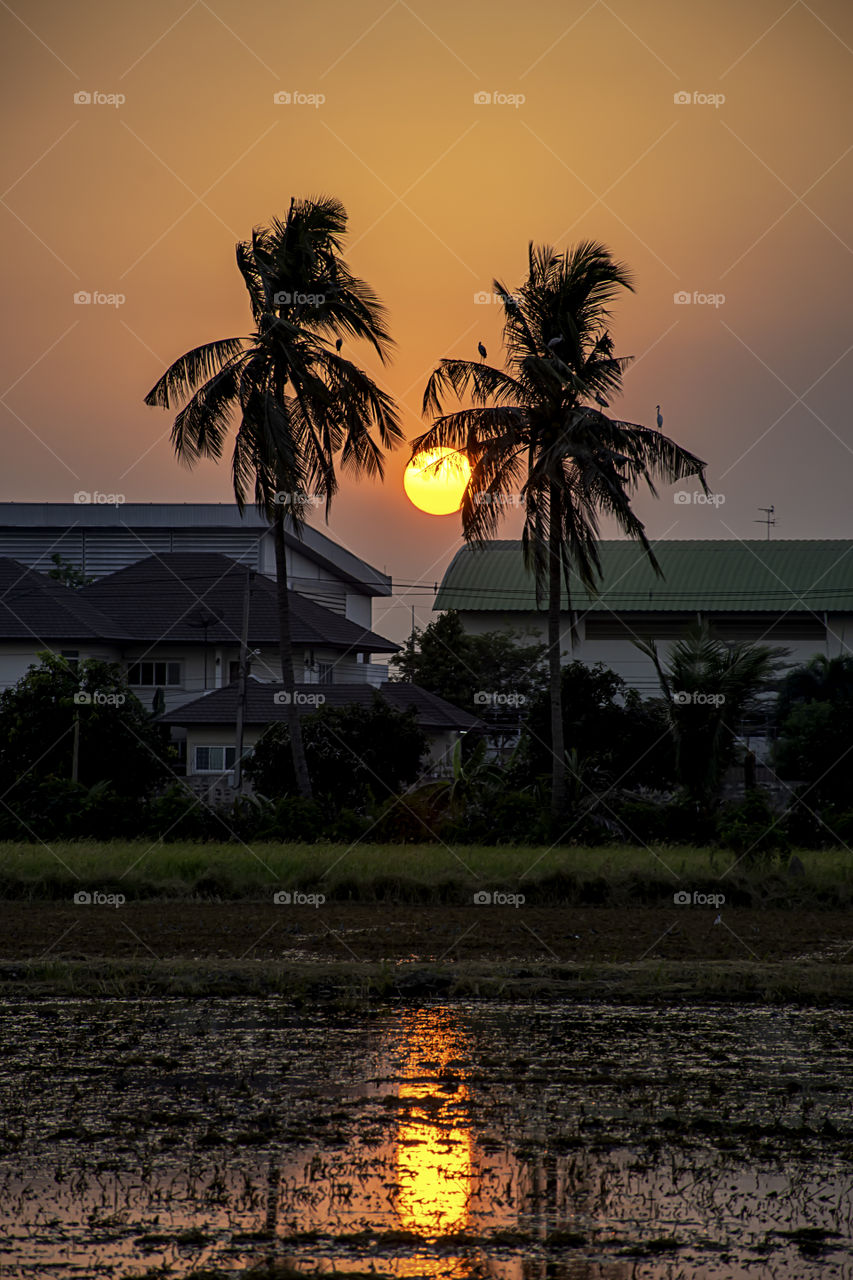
(435,481)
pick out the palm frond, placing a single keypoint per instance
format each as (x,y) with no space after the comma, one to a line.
(482,382)
(183,377)
(201,427)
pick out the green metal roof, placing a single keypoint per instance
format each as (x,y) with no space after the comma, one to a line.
(802,576)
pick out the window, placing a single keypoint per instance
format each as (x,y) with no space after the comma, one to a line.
(214,759)
(154,673)
(324,672)
(71,658)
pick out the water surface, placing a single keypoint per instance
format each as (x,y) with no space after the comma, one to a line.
(577,1142)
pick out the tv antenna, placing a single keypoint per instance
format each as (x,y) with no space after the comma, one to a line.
(767,519)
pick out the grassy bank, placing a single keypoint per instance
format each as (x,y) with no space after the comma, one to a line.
(614,875)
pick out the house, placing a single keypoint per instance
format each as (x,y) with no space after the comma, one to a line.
(173,621)
(209,721)
(38,613)
(797,594)
(184,611)
(99,538)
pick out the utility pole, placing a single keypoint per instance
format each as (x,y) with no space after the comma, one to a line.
(75,747)
(243,679)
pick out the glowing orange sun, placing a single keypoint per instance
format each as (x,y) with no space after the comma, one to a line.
(435,481)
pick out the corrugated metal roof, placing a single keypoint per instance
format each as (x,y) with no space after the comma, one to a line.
(102,535)
(800,576)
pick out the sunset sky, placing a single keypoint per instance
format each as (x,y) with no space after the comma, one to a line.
(740,196)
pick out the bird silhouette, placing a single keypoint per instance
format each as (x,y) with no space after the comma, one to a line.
(482,350)
(339,344)
(660,418)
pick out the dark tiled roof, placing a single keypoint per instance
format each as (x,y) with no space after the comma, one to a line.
(219,706)
(36,607)
(169,597)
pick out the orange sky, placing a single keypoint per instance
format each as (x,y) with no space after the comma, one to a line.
(748,198)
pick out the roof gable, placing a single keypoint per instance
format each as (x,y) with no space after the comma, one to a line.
(36,607)
(264,705)
(193,596)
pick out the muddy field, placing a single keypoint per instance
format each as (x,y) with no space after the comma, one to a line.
(596,1143)
(383,931)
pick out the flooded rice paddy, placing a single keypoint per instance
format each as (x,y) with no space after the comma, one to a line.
(516,1142)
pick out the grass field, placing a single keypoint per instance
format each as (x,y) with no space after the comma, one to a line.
(418,873)
(403,921)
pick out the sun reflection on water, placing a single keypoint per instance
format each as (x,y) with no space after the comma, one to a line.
(434,1159)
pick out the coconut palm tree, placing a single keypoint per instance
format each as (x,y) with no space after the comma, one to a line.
(297,404)
(536,428)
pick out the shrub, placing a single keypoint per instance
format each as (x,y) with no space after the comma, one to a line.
(504,817)
(58,809)
(751,827)
(293,819)
(176,814)
(664,820)
(353,753)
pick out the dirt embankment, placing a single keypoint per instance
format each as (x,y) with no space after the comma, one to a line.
(389,932)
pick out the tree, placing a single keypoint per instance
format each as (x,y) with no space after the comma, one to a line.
(821,679)
(709,686)
(354,754)
(492,675)
(56,717)
(67,573)
(617,738)
(536,428)
(814,713)
(300,406)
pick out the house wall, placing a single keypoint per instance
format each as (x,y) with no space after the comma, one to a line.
(440,747)
(216,736)
(317,583)
(610,638)
(16,657)
(440,744)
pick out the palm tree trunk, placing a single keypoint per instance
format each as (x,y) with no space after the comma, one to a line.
(555,670)
(294,726)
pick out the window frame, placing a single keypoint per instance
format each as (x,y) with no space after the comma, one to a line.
(139,666)
(224,747)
